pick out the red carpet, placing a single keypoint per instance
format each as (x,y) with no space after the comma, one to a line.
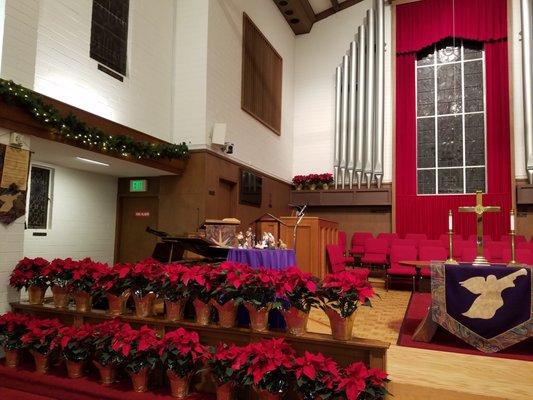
(24,384)
(445,341)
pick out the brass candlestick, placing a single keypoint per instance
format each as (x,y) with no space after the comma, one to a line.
(450,259)
(513,248)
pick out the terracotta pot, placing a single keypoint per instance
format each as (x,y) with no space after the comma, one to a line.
(258,318)
(140,380)
(296,321)
(179,387)
(117,304)
(227,313)
(107,373)
(341,328)
(61,297)
(12,358)
(225,391)
(144,306)
(75,369)
(36,294)
(83,301)
(266,395)
(174,310)
(203,312)
(42,362)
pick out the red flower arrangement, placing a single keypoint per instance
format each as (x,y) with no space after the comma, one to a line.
(316,376)
(259,288)
(85,273)
(60,272)
(326,178)
(41,335)
(344,291)
(29,272)
(103,334)
(12,327)
(170,284)
(312,179)
(182,353)
(227,280)
(300,288)
(221,363)
(114,280)
(143,276)
(138,347)
(299,180)
(196,280)
(75,342)
(357,383)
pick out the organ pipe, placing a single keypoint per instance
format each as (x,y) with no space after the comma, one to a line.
(360,126)
(380,76)
(344,120)
(351,113)
(369,103)
(526,9)
(336,155)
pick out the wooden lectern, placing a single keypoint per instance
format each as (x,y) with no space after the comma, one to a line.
(313,234)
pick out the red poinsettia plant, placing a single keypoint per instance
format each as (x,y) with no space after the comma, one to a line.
(41,334)
(75,342)
(326,178)
(138,347)
(197,281)
(221,363)
(84,275)
(29,272)
(345,291)
(359,383)
(227,280)
(12,327)
(103,334)
(268,365)
(170,284)
(298,180)
(114,280)
(316,376)
(60,272)
(182,353)
(259,288)
(144,276)
(299,288)
(312,179)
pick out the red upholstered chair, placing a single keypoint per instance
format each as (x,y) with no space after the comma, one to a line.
(416,236)
(469,253)
(524,245)
(335,258)
(523,256)
(404,242)
(358,241)
(375,252)
(517,239)
(389,237)
(458,246)
(486,238)
(431,253)
(397,254)
(430,243)
(496,251)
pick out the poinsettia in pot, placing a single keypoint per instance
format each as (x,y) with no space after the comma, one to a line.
(316,376)
(359,383)
(40,340)
(105,358)
(341,294)
(28,274)
(326,179)
(12,327)
(301,291)
(115,283)
(312,180)
(221,364)
(299,181)
(269,367)
(183,355)
(258,292)
(83,283)
(75,343)
(198,284)
(139,347)
(227,279)
(144,277)
(172,290)
(59,274)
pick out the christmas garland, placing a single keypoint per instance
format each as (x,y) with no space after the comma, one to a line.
(78,131)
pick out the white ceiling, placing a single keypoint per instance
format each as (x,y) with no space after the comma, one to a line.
(50,152)
(321,5)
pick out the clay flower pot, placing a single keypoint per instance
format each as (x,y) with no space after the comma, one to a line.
(75,369)
(179,386)
(225,391)
(258,318)
(341,328)
(61,297)
(42,362)
(139,380)
(296,321)
(107,373)
(12,358)
(36,294)
(144,306)
(266,395)
(227,313)
(117,304)
(325,186)
(203,312)
(83,301)
(174,310)
(312,186)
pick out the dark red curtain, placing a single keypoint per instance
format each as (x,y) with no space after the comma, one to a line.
(477,20)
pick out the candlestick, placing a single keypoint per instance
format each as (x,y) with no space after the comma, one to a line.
(450,220)
(513,234)
(512,220)
(450,259)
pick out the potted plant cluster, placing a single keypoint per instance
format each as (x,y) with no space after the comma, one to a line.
(12,327)
(325,179)
(316,376)
(143,276)
(59,274)
(83,282)
(359,383)
(313,181)
(115,283)
(172,290)
(299,181)
(196,280)
(105,357)
(221,364)
(75,343)
(40,340)
(29,274)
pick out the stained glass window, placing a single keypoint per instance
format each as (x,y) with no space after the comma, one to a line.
(38,207)
(450,100)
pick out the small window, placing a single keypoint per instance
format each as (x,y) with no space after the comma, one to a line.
(109,34)
(262,70)
(39,199)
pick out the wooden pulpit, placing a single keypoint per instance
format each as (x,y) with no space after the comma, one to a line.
(313,234)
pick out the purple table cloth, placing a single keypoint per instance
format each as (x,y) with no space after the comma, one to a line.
(255,258)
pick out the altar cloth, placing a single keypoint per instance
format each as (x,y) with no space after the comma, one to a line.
(273,259)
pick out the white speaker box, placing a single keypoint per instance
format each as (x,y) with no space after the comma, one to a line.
(219,133)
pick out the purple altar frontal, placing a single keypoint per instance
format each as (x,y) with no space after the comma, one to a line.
(274,259)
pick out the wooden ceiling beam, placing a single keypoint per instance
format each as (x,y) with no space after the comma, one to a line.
(298,13)
(342,6)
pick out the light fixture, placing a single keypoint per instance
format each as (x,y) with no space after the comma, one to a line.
(92,161)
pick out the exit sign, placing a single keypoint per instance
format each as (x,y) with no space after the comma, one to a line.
(138,185)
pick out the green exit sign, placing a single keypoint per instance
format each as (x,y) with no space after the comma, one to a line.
(138,185)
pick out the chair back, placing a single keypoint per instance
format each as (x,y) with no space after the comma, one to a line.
(402,253)
(335,258)
(517,239)
(432,253)
(359,238)
(389,237)
(522,256)
(416,236)
(496,251)
(404,242)
(342,240)
(430,243)
(376,246)
(469,254)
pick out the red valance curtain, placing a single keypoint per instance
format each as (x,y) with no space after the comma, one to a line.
(419,25)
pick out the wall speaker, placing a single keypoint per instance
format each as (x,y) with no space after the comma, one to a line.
(219,133)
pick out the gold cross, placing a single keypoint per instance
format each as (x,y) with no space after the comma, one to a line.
(480,209)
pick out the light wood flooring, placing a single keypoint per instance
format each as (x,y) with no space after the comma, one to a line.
(426,374)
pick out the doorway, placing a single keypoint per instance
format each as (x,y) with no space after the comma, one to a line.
(226,198)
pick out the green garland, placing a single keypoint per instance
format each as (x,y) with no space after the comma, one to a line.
(78,131)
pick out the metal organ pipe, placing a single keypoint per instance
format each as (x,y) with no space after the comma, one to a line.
(351,113)
(344,120)
(379,108)
(360,126)
(336,155)
(369,101)
(527,23)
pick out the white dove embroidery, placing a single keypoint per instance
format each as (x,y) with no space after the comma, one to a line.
(8,201)
(490,291)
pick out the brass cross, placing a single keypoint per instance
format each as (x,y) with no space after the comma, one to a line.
(480,209)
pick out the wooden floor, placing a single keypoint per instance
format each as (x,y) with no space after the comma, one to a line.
(426,374)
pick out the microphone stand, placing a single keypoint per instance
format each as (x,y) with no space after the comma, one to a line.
(299,214)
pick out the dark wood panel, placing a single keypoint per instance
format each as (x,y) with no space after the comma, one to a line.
(524,195)
(357,197)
